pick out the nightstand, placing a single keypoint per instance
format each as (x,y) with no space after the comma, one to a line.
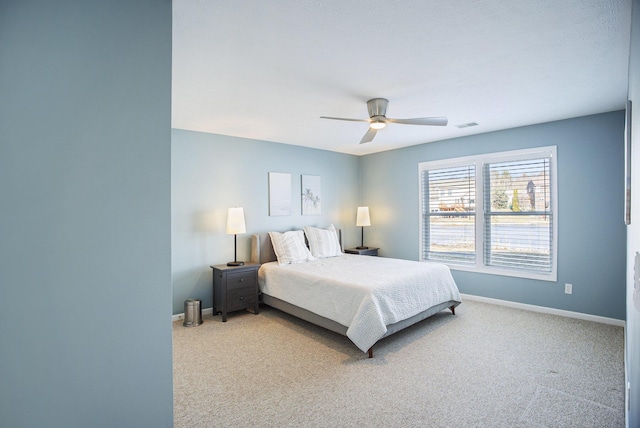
(235,288)
(369,251)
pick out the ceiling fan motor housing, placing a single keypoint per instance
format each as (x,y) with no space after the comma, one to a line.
(377,107)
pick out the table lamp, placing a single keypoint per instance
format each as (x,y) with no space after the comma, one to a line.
(235,225)
(362,220)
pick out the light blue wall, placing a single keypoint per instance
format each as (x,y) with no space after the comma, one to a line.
(211,173)
(85,292)
(632,331)
(591,241)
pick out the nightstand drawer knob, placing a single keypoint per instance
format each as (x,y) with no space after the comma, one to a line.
(241,297)
(241,279)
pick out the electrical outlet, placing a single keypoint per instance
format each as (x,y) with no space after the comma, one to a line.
(568,288)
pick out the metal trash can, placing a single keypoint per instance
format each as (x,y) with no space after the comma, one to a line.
(192,312)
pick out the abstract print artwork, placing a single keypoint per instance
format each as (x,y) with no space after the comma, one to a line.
(311,195)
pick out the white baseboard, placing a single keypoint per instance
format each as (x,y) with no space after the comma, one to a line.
(544,310)
(516,305)
(178,317)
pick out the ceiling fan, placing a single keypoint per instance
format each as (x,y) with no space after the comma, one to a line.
(377,120)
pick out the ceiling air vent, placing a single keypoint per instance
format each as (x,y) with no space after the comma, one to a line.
(467,125)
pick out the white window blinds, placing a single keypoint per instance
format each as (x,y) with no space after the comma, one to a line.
(518,216)
(449,214)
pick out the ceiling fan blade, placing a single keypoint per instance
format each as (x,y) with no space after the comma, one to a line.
(368,136)
(431,121)
(342,118)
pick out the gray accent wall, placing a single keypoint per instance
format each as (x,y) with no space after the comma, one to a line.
(85,280)
(591,235)
(211,173)
(632,331)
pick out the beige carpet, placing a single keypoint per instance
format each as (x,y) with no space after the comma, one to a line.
(487,366)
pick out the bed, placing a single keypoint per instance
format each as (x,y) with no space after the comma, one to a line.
(362,297)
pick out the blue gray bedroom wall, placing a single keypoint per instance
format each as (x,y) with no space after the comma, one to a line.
(211,173)
(632,330)
(591,236)
(85,290)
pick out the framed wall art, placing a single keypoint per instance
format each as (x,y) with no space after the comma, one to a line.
(279,194)
(311,195)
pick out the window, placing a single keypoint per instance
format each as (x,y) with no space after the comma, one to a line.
(512,230)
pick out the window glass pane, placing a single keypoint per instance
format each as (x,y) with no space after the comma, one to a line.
(519,242)
(452,239)
(451,189)
(519,186)
(449,208)
(518,220)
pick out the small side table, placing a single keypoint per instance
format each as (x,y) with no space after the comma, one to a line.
(235,288)
(369,251)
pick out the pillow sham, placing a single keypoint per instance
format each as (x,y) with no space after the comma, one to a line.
(289,247)
(323,242)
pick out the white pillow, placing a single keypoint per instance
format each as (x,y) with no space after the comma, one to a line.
(323,242)
(289,247)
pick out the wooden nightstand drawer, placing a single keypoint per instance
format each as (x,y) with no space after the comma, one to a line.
(246,279)
(240,298)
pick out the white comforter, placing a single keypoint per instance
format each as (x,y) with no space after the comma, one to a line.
(363,293)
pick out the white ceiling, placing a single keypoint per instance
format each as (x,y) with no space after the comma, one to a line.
(268,70)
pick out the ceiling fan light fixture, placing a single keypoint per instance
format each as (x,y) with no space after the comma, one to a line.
(378,124)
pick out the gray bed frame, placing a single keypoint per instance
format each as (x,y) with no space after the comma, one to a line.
(262,252)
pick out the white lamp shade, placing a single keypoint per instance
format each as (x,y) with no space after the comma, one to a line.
(235,221)
(362,219)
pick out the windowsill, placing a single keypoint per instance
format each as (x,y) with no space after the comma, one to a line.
(551,277)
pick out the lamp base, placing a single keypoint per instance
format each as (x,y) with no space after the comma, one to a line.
(360,247)
(235,264)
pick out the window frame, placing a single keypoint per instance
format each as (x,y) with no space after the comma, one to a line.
(479,161)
